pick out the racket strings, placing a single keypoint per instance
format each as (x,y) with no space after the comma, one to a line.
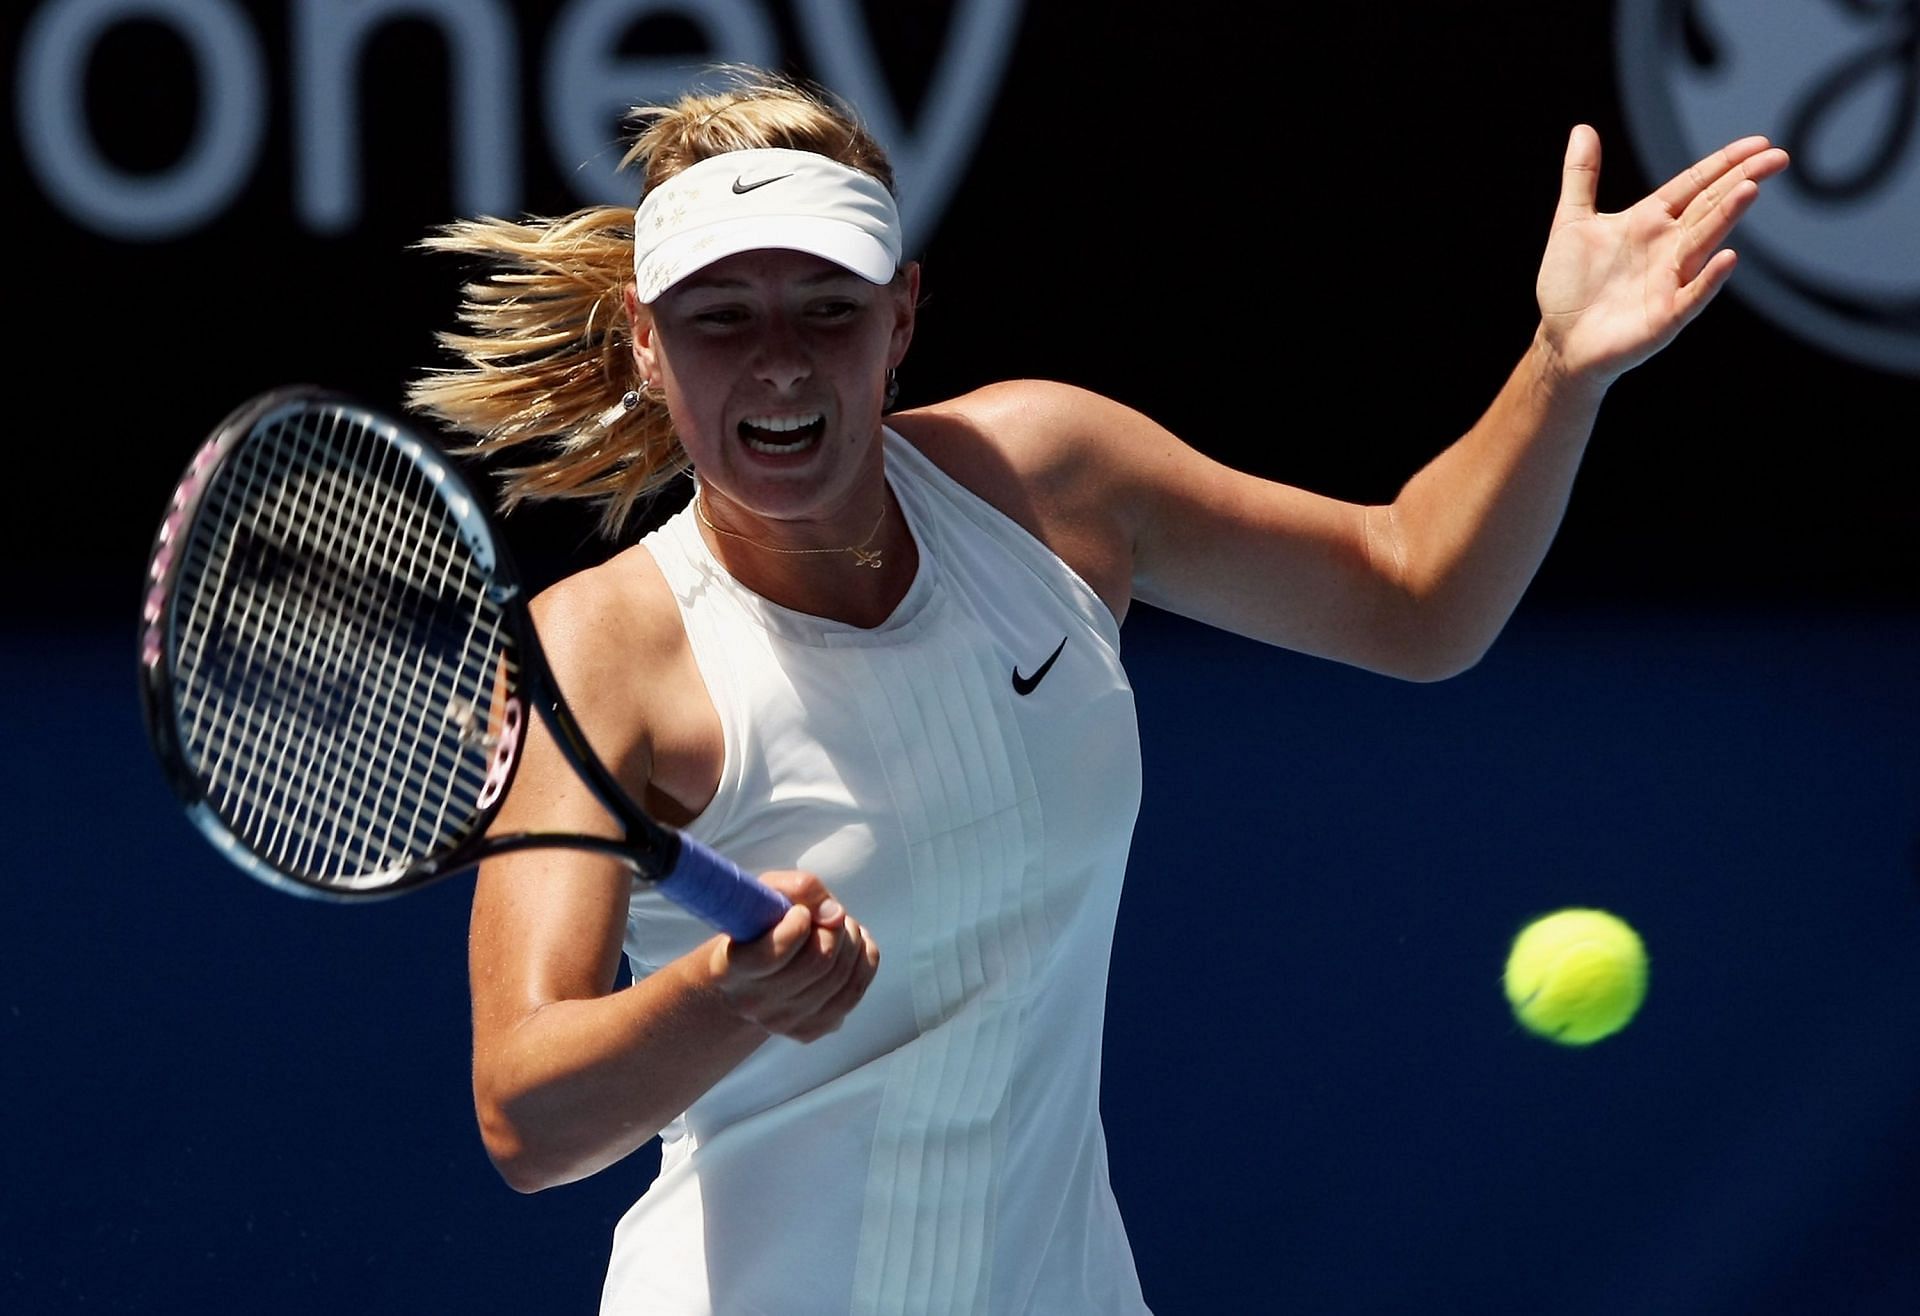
(372,833)
(337,652)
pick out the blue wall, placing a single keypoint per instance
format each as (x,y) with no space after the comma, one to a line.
(224,1100)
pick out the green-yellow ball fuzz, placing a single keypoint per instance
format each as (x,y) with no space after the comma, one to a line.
(1576,975)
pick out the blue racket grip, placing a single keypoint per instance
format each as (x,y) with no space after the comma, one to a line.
(722,892)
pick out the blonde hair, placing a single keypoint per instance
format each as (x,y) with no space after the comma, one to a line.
(545,344)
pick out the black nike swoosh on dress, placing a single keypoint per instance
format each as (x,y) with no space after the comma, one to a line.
(1023,685)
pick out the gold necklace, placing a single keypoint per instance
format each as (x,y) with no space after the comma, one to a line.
(862,555)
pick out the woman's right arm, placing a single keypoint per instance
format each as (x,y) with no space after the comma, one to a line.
(569,1074)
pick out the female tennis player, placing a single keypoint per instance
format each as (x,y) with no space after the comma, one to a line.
(876,659)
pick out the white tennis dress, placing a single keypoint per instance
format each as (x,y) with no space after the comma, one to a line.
(942,1152)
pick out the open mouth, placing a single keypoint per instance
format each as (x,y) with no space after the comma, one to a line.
(780,435)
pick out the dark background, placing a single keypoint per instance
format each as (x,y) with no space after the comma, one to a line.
(1306,241)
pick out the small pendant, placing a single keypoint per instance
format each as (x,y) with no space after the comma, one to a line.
(866,557)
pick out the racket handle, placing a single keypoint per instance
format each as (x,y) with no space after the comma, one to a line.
(722,892)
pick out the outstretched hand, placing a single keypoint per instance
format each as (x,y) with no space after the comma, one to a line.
(1616,288)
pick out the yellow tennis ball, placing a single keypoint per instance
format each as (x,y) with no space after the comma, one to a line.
(1576,975)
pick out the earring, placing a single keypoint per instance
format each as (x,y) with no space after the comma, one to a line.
(628,401)
(893,388)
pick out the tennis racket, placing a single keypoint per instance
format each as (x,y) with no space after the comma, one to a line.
(337,660)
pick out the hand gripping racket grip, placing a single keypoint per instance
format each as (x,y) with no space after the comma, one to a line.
(722,892)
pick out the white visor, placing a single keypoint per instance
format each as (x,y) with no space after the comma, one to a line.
(752,200)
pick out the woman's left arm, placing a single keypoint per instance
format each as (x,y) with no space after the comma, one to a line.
(1419,588)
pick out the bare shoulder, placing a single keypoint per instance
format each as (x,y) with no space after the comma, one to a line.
(1051,456)
(608,631)
(1021,431)
(613,613)
(621,656)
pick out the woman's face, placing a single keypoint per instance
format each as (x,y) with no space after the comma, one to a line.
(774,367)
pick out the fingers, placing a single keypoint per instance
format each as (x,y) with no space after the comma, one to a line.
(1717,208)
(847,967)
(1711,178)
(801,977)
(1693,298)
(804,889)
(866,964)
(1702,233)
